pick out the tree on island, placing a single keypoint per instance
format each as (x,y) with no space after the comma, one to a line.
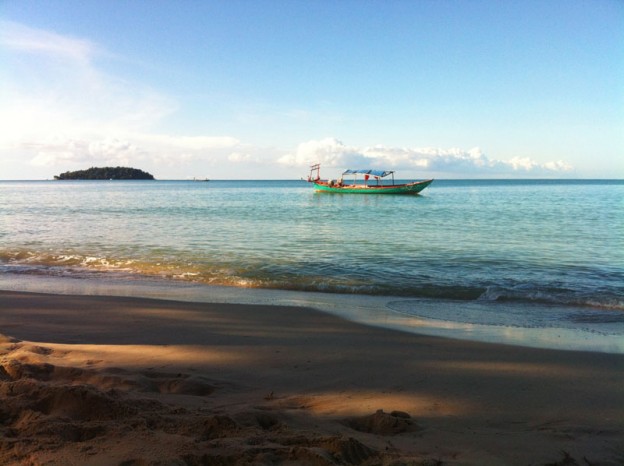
(106,173)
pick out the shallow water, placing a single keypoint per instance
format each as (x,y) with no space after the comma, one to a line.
(518,254)
(378,311)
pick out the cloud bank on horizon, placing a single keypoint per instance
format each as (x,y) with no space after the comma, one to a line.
(332,152)
(61,111)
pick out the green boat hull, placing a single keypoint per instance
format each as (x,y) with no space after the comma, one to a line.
(408,188)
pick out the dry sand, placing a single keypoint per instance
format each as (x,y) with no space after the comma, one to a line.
(122,381)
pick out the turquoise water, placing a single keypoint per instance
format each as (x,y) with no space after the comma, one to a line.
(508,245)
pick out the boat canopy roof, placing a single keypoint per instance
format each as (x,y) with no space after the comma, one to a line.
(366,171)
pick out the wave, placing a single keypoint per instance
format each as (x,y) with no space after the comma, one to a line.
(309,277)
(516,315)
(600,299)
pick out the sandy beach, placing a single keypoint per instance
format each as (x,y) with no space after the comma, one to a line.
(92,380)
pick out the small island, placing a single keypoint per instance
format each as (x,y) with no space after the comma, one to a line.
(106,173)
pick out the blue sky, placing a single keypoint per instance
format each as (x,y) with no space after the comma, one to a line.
(261,89)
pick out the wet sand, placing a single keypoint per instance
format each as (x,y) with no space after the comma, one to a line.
(93,380)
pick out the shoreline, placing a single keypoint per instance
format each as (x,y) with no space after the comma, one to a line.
(373,310)
(134,380)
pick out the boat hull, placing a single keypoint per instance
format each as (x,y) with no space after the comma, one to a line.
(408,188)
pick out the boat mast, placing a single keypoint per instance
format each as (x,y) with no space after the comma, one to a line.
(315,168)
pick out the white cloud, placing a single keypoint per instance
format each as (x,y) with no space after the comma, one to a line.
(114,151)
(59,152)
(238,157)
(138,147)
(330,152)
(333,153)
(52,85)
(23,38)
(58,108)
(197,143)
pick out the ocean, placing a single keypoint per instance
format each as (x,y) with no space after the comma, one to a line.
(470,256)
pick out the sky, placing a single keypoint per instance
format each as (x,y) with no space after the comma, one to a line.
(261,89)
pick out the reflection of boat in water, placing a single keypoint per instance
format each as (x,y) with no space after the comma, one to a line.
(377,186)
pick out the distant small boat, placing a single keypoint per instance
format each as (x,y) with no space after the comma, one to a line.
(205,179)
(373,183)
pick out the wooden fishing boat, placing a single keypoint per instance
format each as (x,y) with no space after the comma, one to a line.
(373,182)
